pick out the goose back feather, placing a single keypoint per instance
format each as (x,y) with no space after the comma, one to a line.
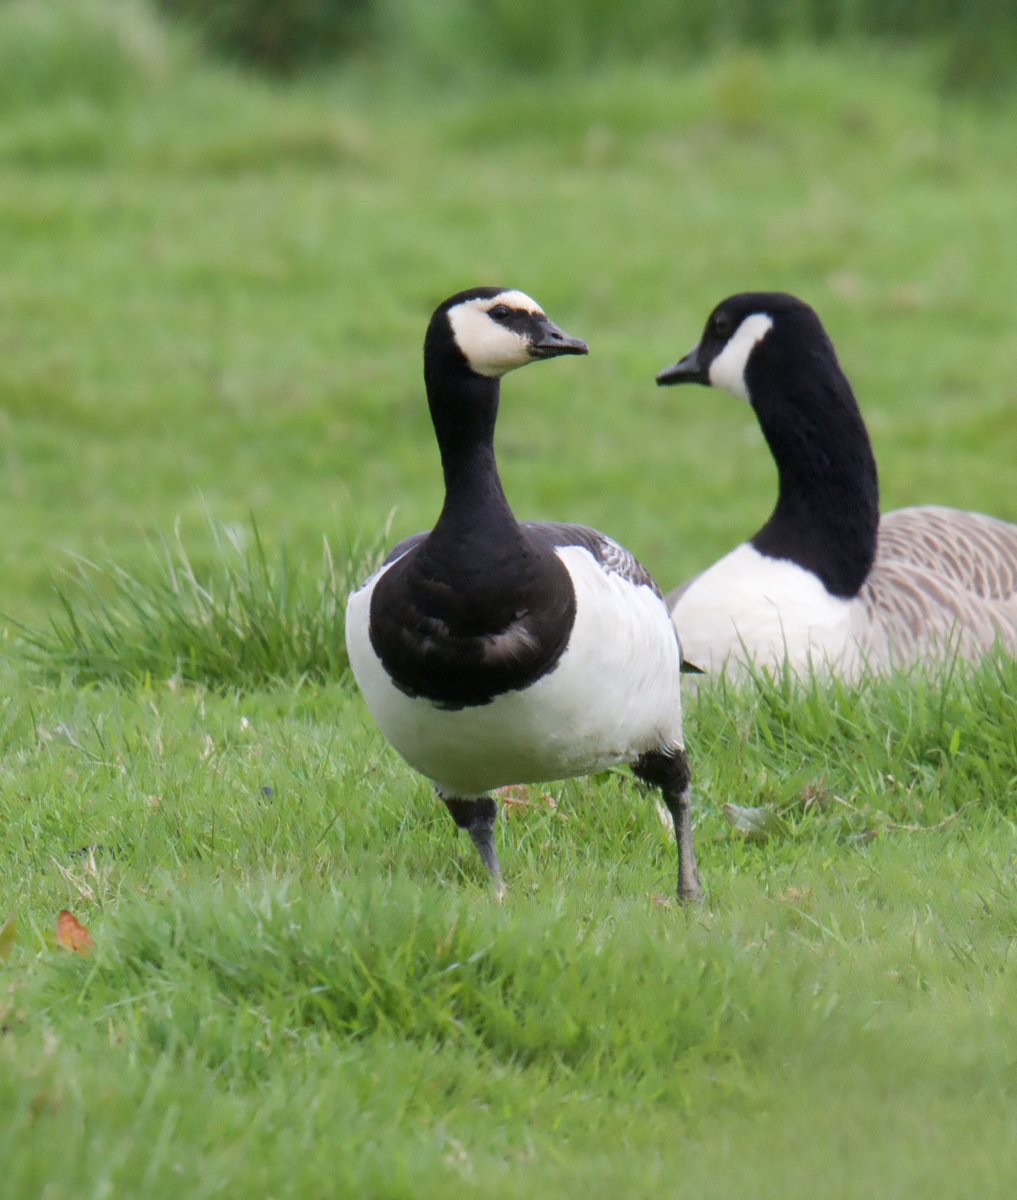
(943,579)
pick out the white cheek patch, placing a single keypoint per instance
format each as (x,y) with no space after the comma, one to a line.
(490,349)
(727,370)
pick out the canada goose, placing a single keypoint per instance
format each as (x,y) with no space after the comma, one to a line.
(492,652)
(827,582)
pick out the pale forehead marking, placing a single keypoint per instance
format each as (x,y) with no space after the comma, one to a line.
(512,299)
(727,370)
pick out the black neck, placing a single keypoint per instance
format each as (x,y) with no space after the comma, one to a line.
(827,513)
(464,409)
(479,607)
(476,522)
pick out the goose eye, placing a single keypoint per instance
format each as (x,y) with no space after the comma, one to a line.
(721,324)
(500,312)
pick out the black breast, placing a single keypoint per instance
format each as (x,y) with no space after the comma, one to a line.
(460,633)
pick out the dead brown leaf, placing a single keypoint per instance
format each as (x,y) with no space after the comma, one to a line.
(72,935)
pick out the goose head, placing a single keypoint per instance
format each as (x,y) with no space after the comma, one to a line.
(492,331)
(756,342)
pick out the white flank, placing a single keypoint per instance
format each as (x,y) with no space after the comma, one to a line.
(751,608)
(727,370)
(491,349)
(613,695)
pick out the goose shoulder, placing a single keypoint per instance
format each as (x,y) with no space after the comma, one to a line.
(907,612)
(616,562)
(972,550)
(611,556)
(403,547)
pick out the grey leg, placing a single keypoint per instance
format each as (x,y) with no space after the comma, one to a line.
(669,770)
(478,817)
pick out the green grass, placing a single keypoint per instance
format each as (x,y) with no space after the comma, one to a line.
(301,982)
(249,620)
(213,299)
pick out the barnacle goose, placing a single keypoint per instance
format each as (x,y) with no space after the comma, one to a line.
(827,582)
(494,652)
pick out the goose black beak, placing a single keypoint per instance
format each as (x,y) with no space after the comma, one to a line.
(549,342)
(686,370)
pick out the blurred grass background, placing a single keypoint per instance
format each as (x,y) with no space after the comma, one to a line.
(215,283)
(460,37)
(223,227)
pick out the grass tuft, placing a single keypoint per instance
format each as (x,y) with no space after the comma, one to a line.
(249,619)
(911,751)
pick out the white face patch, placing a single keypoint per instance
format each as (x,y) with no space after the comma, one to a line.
(491,349)
(727,370)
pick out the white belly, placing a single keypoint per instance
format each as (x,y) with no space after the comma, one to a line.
(748,608)
(613,695)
